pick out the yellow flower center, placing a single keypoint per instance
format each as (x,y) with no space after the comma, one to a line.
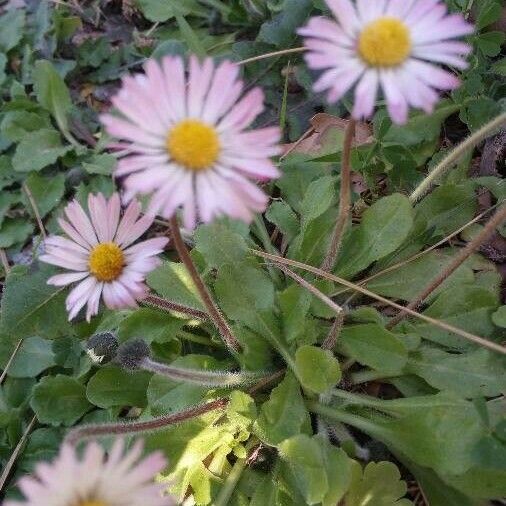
(193,144)
(385,42)
(106,263)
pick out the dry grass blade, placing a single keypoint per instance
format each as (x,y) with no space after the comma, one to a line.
(9,362)
(331,277)
(35,210)
(308,286)
(271,55)
(5,261)
(7,469)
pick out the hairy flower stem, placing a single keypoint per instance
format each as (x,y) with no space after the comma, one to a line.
(344,199)
(331,339)
(168,305)
(449,161)
(213,379)
(497,219)
(211,307)
(116,429)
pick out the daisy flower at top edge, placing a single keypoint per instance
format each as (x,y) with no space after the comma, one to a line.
(387,44)
(186,140)
(101,254)
(121,479)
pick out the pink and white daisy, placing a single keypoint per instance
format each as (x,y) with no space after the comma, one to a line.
(186,141)
(387,44)
(121,479)
(102,256)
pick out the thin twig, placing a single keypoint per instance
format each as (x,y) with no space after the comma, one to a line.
(5,261)
(169,305)
(497,219)
(116,429)
(344,199)
(9,362)
(331,277)
(212,309)
(418,255)
(452,158)
(35,210)
(7,469)
(270,55)
(331,339)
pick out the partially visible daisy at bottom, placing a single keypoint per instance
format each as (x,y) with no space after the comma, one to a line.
(119,479)
(186,140)
(99,251)
(387,44)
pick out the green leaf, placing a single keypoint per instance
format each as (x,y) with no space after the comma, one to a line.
(479,373)
(282,215)
(34,356)
(407,282)
(52,92)
(30,307)
(385,226)
(304,458)
(38,150)
(446,209)
(219,244)
(157,11)
(46,191)
(469,308)
(477,112)
(59,400)
(295,302)
(499,317)
(12,25)
(379,484)
(320,195)
(421,127)
(243,290)
(189,35)
(16,124)
(14,231)
(112,386)
(490,43)
(339,471)
(317,369)
(489,12)
(499,67)
(172,281)
(284,415)
(372,345)
(434,431)
(43,445)
(150,325)
(280,31)
(100,164)
(3,65)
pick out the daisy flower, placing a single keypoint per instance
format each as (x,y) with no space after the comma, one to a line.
(387,44)
(120,479)
(102,256)
(185,140)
